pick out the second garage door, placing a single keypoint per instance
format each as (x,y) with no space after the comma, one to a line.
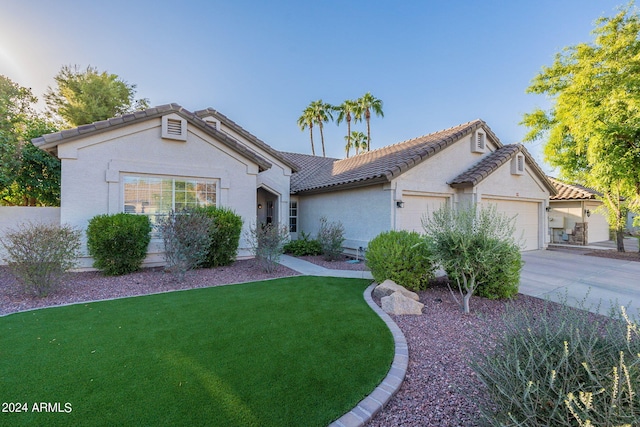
(527,220)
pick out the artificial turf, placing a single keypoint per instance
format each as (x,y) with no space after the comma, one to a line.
(294,351)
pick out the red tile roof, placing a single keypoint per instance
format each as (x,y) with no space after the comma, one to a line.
(572,191)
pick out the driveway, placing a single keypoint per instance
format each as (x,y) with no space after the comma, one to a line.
(555,274)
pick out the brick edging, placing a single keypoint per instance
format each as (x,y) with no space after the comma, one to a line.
(372,404)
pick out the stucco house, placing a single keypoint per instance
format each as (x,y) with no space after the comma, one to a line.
(167,157)
(576,215)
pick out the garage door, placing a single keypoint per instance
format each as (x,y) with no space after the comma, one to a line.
(415,206)
(527,220)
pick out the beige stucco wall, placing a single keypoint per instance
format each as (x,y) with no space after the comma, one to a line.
(92,170)
(12,217)
(364,212)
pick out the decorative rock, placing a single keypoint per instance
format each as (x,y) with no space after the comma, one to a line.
(388,287)
(397,303)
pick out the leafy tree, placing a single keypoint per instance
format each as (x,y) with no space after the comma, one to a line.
(28,176)
(357,140)
(347,111)
(366,105)
(306,120)
(322,113)
(593,126)
(465,241)
(87,96)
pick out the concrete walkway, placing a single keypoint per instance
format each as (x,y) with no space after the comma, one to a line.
(310,269)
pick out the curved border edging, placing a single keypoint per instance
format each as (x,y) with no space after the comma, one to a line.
(372,404)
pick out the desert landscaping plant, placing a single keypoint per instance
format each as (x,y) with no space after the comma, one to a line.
(399,256)
(267,244)
(39,254)
(331,236)
(562,367)
(186,238)
(118,242)
(464,242)
(303,246)
(224,232)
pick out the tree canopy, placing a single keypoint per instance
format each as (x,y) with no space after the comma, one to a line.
(592,129)
(86,96)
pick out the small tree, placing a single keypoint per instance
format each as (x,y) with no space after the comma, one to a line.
(331,236)
(39,255)
(464,243)
(186,239)
(267,244)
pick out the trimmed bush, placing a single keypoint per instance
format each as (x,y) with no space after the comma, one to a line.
(267,244)
(305,245)
(331,236)
(118,242)
(225,233)
(40,254)
(186,239)
(500,276)
(562,367)
(400,256)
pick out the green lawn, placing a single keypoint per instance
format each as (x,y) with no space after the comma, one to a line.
(293,351)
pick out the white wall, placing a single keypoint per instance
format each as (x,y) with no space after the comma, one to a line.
(364,213)
(11,217)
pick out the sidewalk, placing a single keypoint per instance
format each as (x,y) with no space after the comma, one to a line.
(310,269)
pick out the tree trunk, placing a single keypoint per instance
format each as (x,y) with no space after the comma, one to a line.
(465,302)
(620,240)
(313,149)
(322,139)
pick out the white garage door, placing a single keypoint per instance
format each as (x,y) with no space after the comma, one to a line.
(410,216)
(527,220)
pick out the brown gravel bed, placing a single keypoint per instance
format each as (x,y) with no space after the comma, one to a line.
(440,389)
(625,256)
(341,264)
(92,285)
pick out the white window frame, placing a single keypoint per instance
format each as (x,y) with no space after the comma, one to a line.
(293,214)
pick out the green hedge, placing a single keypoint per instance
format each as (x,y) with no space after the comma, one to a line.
(225,235)
(305,245)
(118,243)
(400,256)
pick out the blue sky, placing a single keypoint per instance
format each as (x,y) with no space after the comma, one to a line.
(434,64)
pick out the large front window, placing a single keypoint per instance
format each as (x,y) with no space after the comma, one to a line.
(157,196)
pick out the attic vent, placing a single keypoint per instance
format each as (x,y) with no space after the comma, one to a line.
(478,142)
(212,122)
(517,164)
(174,127)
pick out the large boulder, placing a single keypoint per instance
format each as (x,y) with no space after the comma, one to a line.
(397,303)
(388,287)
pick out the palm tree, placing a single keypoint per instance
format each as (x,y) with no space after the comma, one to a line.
(358,141)
(366,104)
(322,114)
(306,120)
(346,111)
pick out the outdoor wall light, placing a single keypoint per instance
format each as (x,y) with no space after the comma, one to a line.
(399,204)
(588,212)
(548,209)
(259,205)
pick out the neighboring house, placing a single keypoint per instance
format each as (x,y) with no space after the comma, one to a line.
(164,158)
(575,204)
(393,187)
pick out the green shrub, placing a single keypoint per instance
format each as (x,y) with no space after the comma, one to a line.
(399,256)
(500,275)
(186,239)
(267,244)
(39,255)
(562,367)
(225,235)
(118,242)
(305,245)
(331,236)
(464,242)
